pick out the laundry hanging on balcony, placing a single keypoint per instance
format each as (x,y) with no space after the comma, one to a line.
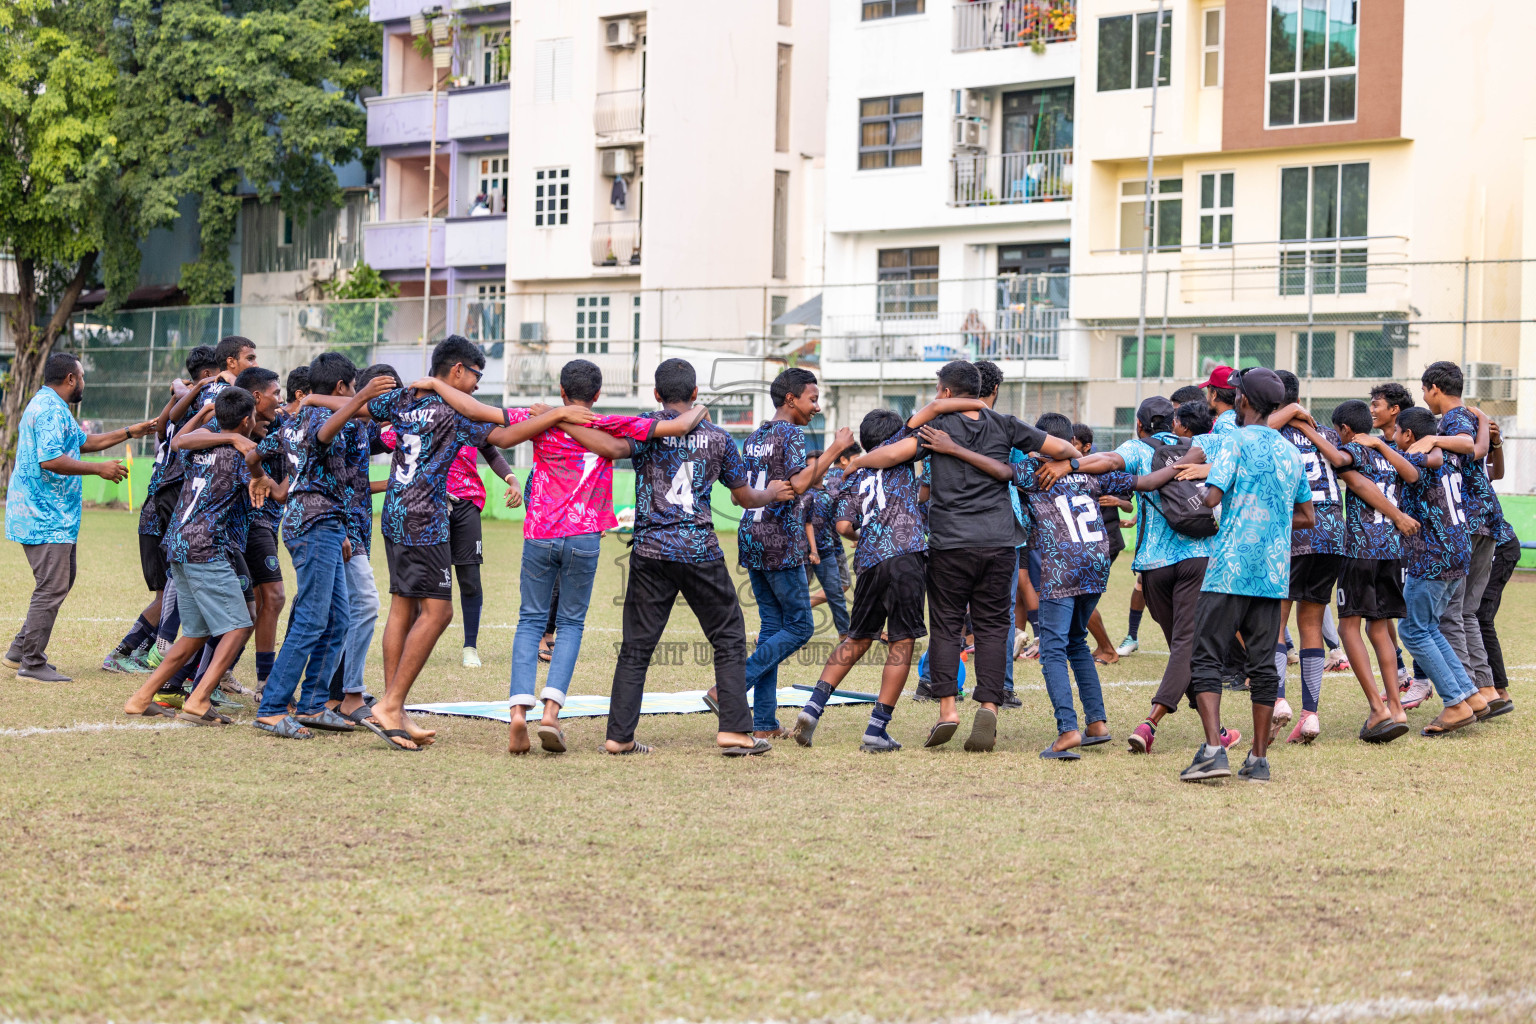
(620,195)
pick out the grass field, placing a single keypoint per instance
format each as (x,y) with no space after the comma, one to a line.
(181,874)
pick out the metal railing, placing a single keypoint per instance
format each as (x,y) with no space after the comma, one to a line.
(616,113)
(616,243)
(997,24)
(983,179)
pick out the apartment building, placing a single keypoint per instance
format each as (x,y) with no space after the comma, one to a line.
(951,171)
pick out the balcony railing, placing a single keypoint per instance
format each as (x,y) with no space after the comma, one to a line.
(616,243)
(619,113)
(998,24)
(982,179)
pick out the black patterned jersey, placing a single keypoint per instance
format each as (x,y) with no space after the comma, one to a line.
(674,481)
(1482,504)
(772,537)
(1368,533)
(175,465)
(1069,530)
(366,442)
(1442,549)
(213,512)
(818,510)
(832,480)
(1327,537)
(274,463)
(428,435)
(882,505)
(318,473)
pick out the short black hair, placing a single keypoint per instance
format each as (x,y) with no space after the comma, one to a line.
(1291,384)
(877,427)
(230,348)
(202,358)
(328,370)
(1419,422)
(962,378)
(852,451)
(1195,415)
(59,366)
(1187,393)
(1354,414)
(1226,396)
(378,370)
(581,380)
(676,380)
(1393,393)
(233,405)
(1445,375)
(792,381)
(298,380)
(255,378)
(1055,424)
(456,349)
(1082,432)
(991,378)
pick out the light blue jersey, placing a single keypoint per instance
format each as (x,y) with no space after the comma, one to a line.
(1158,544)
(1225,423)
(1261,479)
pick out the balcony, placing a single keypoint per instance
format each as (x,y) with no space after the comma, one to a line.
(616,243)
(479,110)
(1001,24)
(982,179)
(403,245)
(476,242)
(407,120)
(619,113)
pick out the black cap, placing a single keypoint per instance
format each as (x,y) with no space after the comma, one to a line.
(1263,385)
(1155,408)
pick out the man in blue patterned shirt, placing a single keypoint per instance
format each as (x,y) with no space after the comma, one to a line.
(1221,394)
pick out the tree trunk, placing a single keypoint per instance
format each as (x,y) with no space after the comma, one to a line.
(33,347)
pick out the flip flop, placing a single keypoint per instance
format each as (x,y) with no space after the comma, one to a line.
(1440,728)
(983,735)
(153,711)
(759,746)
(1501,706)
(638,748)
(289,729)
(1486,713)
(941,733)
(1070,754)
(552,739)
(391,736)
(1383,732)
(206,718)
(328,719)
(710,701)
(358,716)
(1093,741)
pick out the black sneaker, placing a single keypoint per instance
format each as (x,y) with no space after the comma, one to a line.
(1235,683)
(1010,702)
(924,692)
(1202,767)
(1255,769)
(805,728)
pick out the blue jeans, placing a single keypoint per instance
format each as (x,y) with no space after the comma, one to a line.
(1063,641)
(571,564)
(831,578)
(363,596)
(785,625)
(317,628)
(1420,632)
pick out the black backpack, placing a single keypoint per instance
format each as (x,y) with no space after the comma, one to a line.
(1183,501)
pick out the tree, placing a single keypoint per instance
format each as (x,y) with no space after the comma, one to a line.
(355,322)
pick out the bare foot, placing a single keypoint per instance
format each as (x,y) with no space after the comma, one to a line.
(517,736)
(1068,740)
(423,737)
(1373,720)
(1476,702)
(397,722)
(1105,657)
(733,739)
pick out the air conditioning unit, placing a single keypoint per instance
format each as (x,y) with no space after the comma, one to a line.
(971,103)
(535,331)
(970,134)
(618,161)
(619,33)
(1490,382)
(322,269)
(312,319)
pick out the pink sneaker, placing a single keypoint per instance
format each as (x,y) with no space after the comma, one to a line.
(1307,728)
(1230,737)
(1279,719)
(1141,739)
(1417,692)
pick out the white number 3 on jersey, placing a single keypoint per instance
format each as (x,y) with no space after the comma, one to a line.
(681,493)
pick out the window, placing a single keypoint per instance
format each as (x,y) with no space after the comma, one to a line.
(1373,355)
(591,324)
(490,56)
(1126,46)
(909,284)
(1212,24)
(778,305)
(1314,359)
(875,9)
(551,197)
(485,312)
(1167,213)
(780,224)
(786,11)
(1240,350)
(1312,61)
(636,305)
(1323,204)
(1216,210)
(489,180)
(1157,359)
(552,70)
(781,101)
(285,227)
(891,131)
(903,405)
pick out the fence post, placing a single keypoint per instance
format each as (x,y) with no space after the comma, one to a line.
(375,326)
(1466,287)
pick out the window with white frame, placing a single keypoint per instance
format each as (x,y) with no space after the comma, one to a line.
(876,9)
(551,197)
(1322,210)
(488,184)
(1212,25)
(591,324)
(1312,61)
(909,284)
(1167,213)
(1216,210)
(485,312)
(489,60)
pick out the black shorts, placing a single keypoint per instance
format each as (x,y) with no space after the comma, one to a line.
(1313,577)
(151,554)
(464,534)
(1371,589)
(420,570)
(261,555)
(243,574)
(889,598)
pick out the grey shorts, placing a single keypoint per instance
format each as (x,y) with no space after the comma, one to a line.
(208,598)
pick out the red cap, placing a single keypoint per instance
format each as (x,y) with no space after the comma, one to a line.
(1221,377)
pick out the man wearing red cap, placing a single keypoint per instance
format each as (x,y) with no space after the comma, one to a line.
(1221,392)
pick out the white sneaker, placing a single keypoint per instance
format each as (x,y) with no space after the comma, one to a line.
(1020,641)
(1418,690)
(1127,647)
(1403,678)
(1291,657)
(1280,719)
(1335,661)
(471,658)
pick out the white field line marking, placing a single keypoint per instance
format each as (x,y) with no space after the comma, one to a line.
(43,730)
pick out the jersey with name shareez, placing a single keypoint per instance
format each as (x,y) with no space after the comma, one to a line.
(1261,479)
(772,537)
(1327,537)
(213,512)
(1477,494)
(882,505)
(674,479)
(319,473)
(1368,533)
(1442,549)
(1069,528)
(429,434)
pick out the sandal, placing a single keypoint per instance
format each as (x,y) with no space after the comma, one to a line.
(941,733)
(1439,727)
(153,711)
(636,747)
(209,717)
(546,650)
(328,719)
(710,701)
(759,746)
(552,739)
(289,728)
(1502,706)
(393,736)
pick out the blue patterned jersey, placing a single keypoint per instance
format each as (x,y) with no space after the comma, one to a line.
(274,463)
(882,505)
(1158,544)
(1482,504)
(1368,533)
(1503,533)
(1225,423)
(674,480)
(1327,537)
(1261,479)
(318,473)
(214,510)
(818,510)
(429,435)
(1442,549)
(772,537)
(1069,528)
(832,480)
(363,442)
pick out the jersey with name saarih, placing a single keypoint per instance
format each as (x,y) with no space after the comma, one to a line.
(1442,549)
(429,434)
(1069,528)
(1261,479)
(1327,537)
(674,480)
(1368,533)
(213,512)
(319,474)
(773,537)
(882,505)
